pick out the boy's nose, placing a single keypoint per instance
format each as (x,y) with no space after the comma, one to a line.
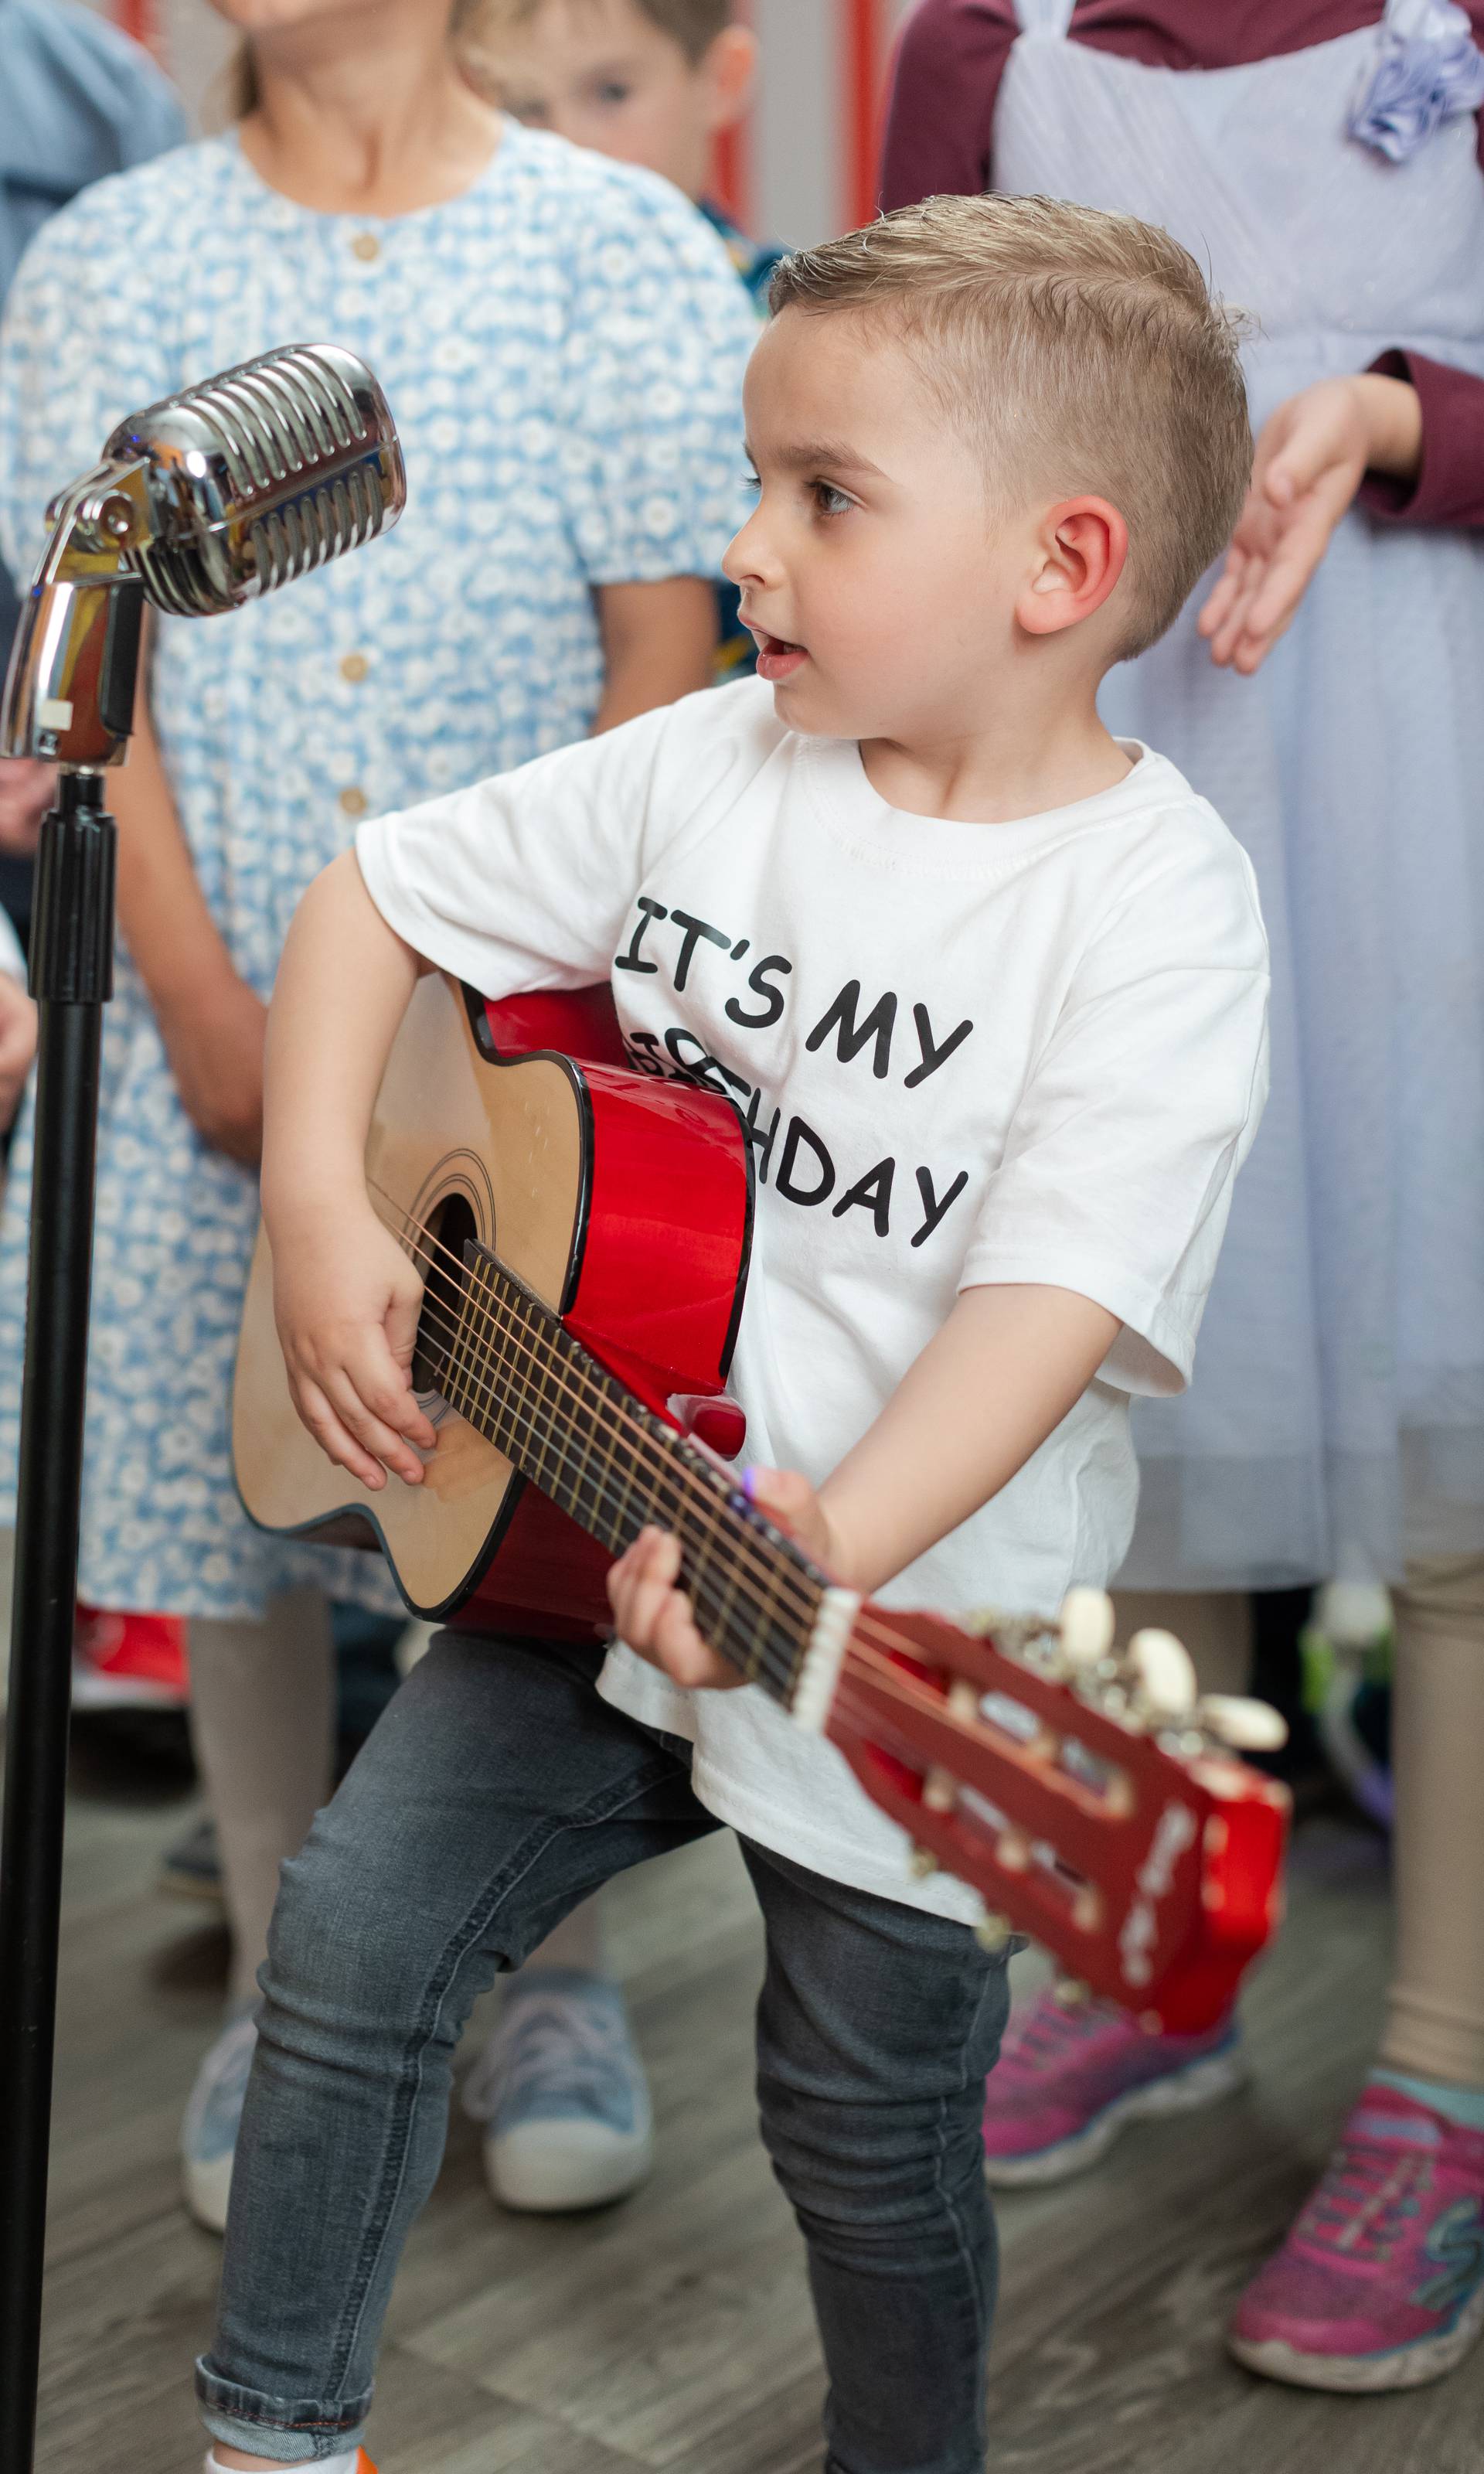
(746,559)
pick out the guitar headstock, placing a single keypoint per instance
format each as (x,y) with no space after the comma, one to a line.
(1088,1793)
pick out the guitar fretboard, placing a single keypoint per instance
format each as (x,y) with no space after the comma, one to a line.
(517,1374)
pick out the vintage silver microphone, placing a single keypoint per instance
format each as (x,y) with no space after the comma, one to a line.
(200,504)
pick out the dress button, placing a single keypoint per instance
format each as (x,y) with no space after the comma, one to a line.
(366,245)
(354,801)
(355,667)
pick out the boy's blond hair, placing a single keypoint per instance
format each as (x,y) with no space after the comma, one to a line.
(1080,350)
(693,24)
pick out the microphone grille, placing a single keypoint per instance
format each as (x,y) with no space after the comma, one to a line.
(262,475)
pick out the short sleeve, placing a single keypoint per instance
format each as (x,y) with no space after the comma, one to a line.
(80,347)
(527,881)
(1116,1176)
(659,333)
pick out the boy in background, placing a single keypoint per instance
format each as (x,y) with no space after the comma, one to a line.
(649,82)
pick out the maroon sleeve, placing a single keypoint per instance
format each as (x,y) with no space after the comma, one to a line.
(941,117)
(1449,485)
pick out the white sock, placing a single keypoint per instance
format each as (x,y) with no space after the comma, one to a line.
(345,2464)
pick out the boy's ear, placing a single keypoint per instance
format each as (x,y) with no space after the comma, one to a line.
(728,70)
(1084,548)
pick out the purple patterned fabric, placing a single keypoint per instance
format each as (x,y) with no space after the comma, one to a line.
(1427,69)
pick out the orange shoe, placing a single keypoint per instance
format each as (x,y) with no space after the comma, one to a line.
(129,1661)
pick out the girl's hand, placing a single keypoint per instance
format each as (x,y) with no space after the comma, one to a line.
(17,1044)
(655,1619)
(214,1040)
(347,1303)
(1311,458)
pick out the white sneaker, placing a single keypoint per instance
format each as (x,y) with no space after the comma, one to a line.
(563,2095)
(208,2134)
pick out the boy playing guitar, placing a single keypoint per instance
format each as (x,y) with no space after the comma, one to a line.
(988,988)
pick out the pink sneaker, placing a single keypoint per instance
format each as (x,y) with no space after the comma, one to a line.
(1381,2284)
(1067,2081)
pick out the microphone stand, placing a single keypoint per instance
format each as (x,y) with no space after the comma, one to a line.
(204,500)
(71,977)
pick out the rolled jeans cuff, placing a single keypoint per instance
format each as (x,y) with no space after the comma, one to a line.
(298,2429)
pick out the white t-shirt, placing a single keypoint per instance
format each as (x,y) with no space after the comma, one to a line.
(964,1052)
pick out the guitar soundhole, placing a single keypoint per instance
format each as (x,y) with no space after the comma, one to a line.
(450,1227)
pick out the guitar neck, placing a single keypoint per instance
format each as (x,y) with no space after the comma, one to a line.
(517,1374)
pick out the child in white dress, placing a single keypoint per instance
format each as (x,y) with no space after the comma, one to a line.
(1326,162)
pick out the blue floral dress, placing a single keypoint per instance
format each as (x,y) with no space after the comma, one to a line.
(563,348)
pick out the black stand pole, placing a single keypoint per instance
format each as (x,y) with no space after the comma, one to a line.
(71,978)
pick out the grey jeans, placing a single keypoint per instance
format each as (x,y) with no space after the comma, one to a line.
(498,1791)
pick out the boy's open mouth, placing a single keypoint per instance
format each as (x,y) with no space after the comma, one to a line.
(776,658)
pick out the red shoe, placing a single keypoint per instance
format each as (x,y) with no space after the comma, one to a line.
(129,1661)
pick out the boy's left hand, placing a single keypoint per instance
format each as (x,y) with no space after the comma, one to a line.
(655,1619)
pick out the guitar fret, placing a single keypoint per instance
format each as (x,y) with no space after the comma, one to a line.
(545,1451)
(762,1628)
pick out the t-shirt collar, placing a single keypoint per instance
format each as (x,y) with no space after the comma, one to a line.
(858,815)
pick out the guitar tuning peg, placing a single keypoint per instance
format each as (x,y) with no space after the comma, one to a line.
(1087,1626)
(1245,1726)
(940,1790)
(1165,1673)
(922,1862)
(992,1933)
(1070,1993)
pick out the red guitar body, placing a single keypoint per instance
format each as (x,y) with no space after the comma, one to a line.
(654,1285)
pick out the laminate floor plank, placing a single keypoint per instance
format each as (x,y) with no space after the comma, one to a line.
(672,2336)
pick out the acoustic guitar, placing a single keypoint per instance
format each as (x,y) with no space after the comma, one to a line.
(581,1229)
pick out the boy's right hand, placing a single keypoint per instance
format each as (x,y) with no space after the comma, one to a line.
(347,1303)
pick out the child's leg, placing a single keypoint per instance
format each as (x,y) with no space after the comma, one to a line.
(1435,2026)
(263,1722)
(496,1792)
(877,2028)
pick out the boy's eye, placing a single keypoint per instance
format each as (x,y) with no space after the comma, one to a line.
(753,480)
(829,500)
(612,91)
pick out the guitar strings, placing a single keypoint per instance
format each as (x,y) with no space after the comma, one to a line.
(585,1394)
(714,1593)
(720,1591)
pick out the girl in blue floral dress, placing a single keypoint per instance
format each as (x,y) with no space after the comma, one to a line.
(562,340)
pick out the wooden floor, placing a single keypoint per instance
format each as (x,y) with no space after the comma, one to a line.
(674,2333)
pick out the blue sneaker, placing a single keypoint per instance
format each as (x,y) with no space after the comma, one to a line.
(562,2094)
(208,2134)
